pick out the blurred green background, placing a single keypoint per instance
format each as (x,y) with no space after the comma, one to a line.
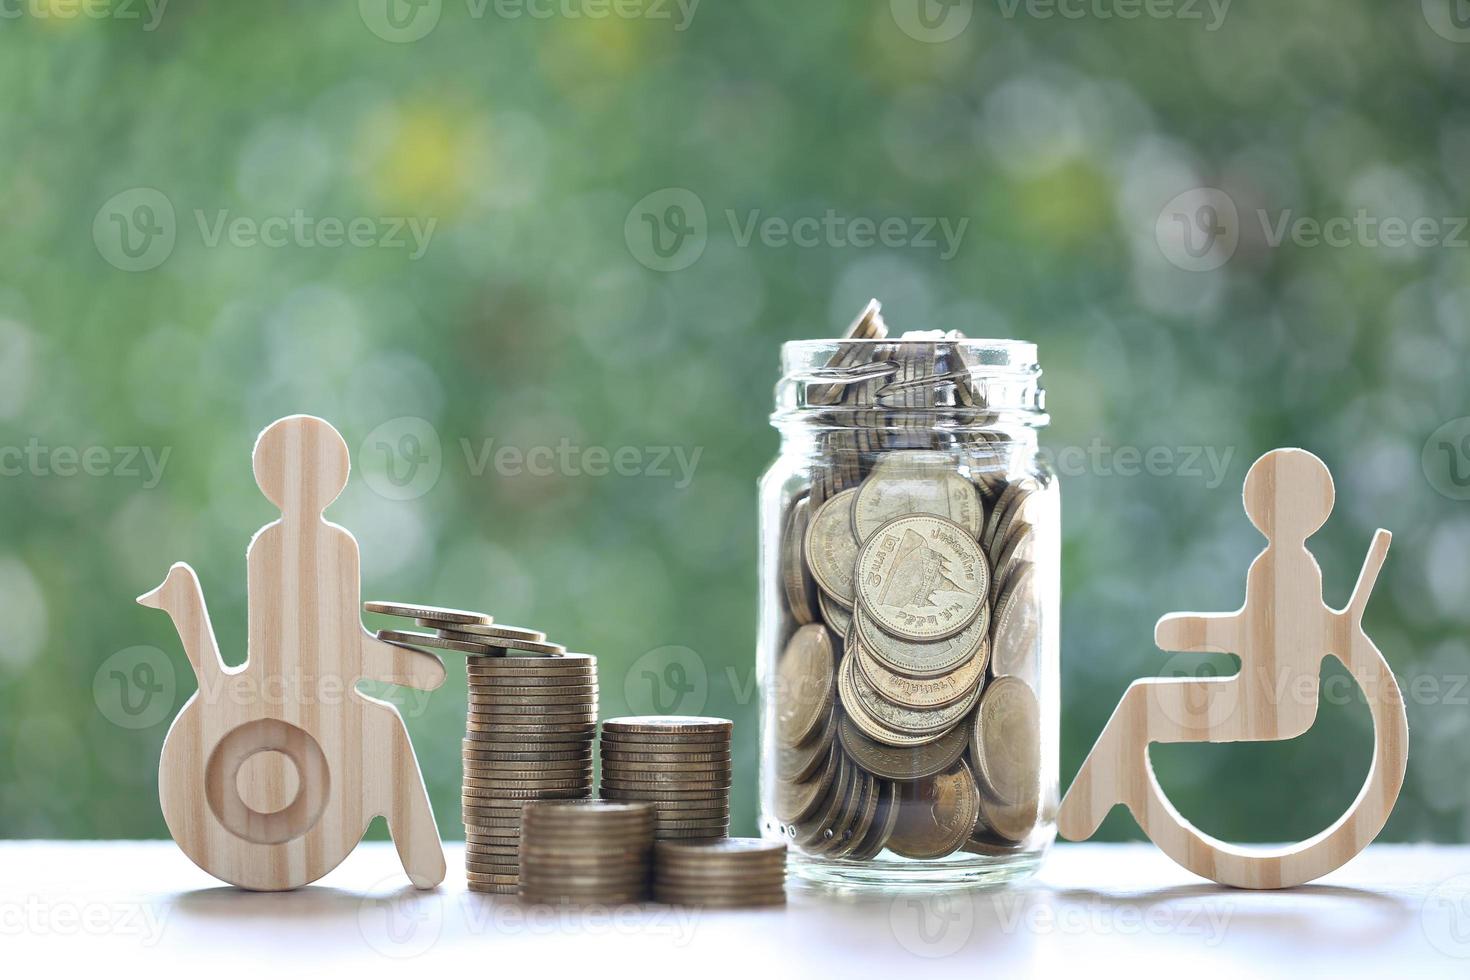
(209,222)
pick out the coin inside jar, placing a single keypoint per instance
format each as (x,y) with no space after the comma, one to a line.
(936,815)
(1005,742)
(805,676)
(908,483)
(922,578)
(831,547)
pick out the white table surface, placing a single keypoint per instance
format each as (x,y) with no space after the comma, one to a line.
(142,909)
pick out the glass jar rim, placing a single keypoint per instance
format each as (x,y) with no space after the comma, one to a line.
(1002,377)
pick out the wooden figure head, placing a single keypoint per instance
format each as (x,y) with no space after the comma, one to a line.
(301,464)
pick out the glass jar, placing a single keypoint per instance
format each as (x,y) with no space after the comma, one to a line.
(910,584)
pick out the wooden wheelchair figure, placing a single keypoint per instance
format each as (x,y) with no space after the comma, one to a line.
(1282,634)
(273,770)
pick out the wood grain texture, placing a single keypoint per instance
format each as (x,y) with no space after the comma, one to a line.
(1282,634)
(273,770)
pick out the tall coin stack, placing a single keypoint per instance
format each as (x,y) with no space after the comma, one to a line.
(529,731)
(586,853)
(904,722)
(737,872)
(680,765)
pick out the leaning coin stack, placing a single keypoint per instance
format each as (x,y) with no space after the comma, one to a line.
(529,732)
(586,853)
(680,765)
(906,713)
(738,872)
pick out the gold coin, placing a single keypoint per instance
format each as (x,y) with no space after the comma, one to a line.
(928,721)
(411,638)
(926,659)
(480,752)
(831,547)
(882,826)
(549,702)
(1005,741)
(1014,553)
(481,632)
(921,693)
(801,763)
(698,759)
(839,835)
(403,610)
(797,801)
(670,725)
(912,483)
(571,727)
(1017,628)
(907,764)
(807,832)
(1009,821)
(799,588)
(665,796)
(741,851)
(671,742)
(1011,506)
(560,664)
(922,578)
(936,815)
(804,677)
(834,615)
(869,725)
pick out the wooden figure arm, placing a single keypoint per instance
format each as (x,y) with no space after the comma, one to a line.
(1368,577)
(1198,632)
(404,666)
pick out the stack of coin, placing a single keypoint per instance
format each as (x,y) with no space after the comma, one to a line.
(905,708)
(680,765)
(738,872)
(586,853)
(529,731)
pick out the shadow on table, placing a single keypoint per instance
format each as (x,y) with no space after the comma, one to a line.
(1354,916)
(311,903)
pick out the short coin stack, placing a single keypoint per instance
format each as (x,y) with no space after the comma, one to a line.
(586,853)
(737,872)
(529,732)
(680,765)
